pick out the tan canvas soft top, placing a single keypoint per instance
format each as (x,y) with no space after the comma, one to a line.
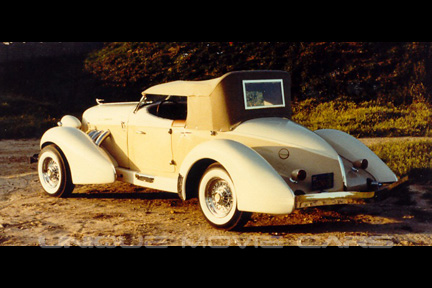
(201,88)
(218,104)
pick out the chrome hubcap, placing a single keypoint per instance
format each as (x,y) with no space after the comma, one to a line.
(51,172)
(219,197)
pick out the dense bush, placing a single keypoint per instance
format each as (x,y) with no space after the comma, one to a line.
(366,119)
(406,157)
(367,89)
(20,117)
(397,72)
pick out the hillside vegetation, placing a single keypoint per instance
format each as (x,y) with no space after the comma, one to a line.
(366,119)
(407,157)
(367,89)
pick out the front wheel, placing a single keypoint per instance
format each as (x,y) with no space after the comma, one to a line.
(54,174)
(218,199)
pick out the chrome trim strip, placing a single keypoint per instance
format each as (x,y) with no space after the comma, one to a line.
(146,178)
(102,137)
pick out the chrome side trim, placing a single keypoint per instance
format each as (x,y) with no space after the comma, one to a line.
(98,136)
(102,137)
(145,178)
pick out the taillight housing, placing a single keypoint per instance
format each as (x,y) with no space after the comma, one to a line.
(360,164)
(298,175)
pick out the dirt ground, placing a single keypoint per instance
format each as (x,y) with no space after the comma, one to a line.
(124,215)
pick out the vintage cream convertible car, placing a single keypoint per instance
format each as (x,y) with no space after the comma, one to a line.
(228,141)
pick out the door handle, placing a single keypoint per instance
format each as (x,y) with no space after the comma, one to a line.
(140,132)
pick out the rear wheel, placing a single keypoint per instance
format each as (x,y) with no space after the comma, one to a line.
(218,199)
(54,174)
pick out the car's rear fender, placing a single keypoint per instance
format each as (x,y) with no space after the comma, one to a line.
(89,164)
(259,187)
(352,149)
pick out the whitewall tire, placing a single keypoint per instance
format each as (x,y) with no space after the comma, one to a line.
(54,174)
(218,199)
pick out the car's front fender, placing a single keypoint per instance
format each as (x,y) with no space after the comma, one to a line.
(88,163)
(259,187)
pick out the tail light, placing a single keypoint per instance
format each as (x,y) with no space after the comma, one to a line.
(298,175)
(360,164)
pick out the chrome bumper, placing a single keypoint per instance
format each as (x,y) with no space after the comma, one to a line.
(345,197)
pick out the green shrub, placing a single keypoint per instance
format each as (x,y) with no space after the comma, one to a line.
(367,119)
(406,157)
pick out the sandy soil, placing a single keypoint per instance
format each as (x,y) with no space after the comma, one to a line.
(122,215)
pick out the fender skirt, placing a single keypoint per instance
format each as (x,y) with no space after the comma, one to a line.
(88,163)
(259,187)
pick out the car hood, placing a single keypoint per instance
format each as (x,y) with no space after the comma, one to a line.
(108,114)
(287,132)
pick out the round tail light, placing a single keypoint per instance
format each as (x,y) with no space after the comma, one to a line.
(361,164)
(298,175)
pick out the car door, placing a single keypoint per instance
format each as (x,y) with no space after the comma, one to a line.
(149,143)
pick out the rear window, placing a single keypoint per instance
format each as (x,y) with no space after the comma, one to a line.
(260,94)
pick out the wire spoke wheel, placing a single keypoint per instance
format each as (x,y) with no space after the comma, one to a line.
(54,173)
(218,199)
(51,172)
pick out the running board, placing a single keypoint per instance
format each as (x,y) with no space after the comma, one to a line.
(149,181)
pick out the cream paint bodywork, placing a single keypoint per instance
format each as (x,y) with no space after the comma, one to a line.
(267,136)
(307,151)
(259,148)
(113,117)
(259,187)
(352,150)
(134,136)
(159,182)
(149,143)
(249,153)
(89,164)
